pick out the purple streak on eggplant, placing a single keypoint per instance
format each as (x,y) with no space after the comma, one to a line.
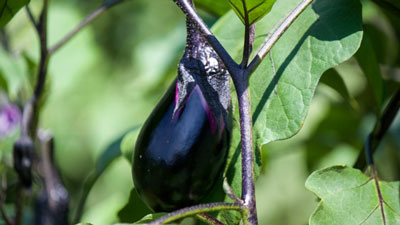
(182,147)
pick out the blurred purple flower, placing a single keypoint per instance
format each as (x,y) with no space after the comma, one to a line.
(10,117)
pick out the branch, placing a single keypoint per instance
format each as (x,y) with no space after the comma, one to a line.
(3,186)
(382,125)
(271,40)
(208,219)
(193,210)
(191,14)
(228,190)
(97,12)
(19,205)
(31,17)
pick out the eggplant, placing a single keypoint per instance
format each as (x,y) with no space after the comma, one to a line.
(182,147)
(178,157)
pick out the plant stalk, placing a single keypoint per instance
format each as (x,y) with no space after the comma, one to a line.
(193,210)
(271,40)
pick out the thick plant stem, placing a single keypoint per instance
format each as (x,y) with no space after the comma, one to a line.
(248,191)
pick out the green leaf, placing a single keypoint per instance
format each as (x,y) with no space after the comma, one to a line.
(113,151)
(333,79)
(216,7)
(128,143)
(323,36)
(3,83)
(369,64)
(350,197)
(134,204)
(8,8)
(250,11)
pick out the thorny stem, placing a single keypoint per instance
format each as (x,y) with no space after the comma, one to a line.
(193,210)
(97,12)
(270,40)
(382,125)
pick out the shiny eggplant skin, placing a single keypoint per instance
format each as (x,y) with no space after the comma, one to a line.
(178,157)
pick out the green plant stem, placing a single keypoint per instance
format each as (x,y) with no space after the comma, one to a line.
(208,219)
(271,40)
(193,210)
(382,125)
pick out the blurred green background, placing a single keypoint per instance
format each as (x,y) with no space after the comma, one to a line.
(110,76)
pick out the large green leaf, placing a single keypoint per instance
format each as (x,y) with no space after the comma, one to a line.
(8,8)
(323,36)
(350,197)
(250,11)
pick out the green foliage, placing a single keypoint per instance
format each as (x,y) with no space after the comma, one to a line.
(217,7)
(251,11)
(136,205)
(128,144)
(350,197)
(369,64)
(8,8)
(333,79)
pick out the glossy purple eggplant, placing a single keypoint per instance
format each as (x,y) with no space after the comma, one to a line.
(178,156)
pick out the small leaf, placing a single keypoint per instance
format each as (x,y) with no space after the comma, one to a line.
(8,8)
(350,197)
(112,152)
(333,79)
(250,11)
(134,204)
(216,7)
(128,143)
(369,64)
